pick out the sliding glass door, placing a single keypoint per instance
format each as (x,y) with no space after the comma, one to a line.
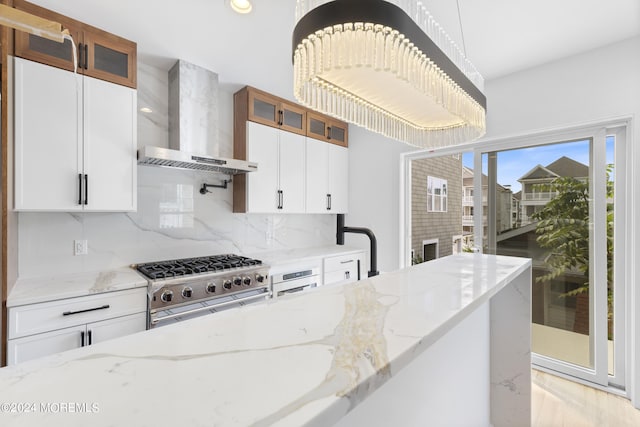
(557,202)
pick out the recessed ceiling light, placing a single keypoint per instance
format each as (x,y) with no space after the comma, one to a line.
(241,6)
(146,110)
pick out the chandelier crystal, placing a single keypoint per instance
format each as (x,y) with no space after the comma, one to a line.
(401,82)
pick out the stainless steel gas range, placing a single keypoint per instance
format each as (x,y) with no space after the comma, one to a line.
(185,288)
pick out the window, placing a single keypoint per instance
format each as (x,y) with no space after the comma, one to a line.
(436,194)
(430,249)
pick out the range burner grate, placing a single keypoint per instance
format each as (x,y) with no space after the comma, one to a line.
(187,266)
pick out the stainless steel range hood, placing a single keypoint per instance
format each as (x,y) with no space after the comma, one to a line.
(165,157)
(193,125)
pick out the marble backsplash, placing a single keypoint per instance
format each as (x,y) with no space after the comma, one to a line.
(173,219)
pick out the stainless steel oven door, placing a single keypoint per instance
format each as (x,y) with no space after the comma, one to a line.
(184,312)
(296,285)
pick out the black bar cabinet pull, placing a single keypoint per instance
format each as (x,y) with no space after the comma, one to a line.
(280,117)
(79,55)
(328,132)
(328,202)
(86,189)
(89,337)
(69,313)
(79,188)
(81,338)
(280,199)
(86,56)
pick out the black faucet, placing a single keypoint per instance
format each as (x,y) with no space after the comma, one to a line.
(341,229)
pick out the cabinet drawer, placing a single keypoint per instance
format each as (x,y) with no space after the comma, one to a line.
(37,318)
(344,268)
(346,275)
(341,262)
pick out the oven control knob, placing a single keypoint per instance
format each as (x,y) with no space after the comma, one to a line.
(237,281)
(260,278)
(226,284)
(246,280)
(167,296)
(211,287)
(187,292)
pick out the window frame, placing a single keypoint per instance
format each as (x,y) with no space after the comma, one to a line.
(434,183)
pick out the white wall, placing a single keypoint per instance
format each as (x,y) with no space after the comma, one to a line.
(596,85)
(593,86)
(374,196)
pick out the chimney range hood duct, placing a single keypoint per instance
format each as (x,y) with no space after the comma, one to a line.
(193,130)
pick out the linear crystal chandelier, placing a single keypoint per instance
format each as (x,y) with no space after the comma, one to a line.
(386,65)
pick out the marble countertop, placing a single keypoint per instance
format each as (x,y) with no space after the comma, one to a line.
(300,255)
(50,288)
(42,289)
(303,359)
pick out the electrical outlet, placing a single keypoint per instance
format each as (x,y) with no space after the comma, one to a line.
(80,247)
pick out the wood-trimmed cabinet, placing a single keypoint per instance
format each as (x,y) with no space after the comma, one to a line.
(273,111)
(327,129)
(102,55)
(298,171)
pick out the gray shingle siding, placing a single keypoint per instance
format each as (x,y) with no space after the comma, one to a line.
(436,225)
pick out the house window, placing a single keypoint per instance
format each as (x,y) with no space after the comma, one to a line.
(436,194)
(430,249)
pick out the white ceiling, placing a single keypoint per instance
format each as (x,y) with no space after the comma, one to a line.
(501,36)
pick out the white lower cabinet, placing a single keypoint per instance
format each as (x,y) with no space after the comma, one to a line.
(39,345)
(35,346)
(37,330)
(344,268)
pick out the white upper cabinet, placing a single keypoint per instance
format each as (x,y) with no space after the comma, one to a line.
(327,177)
(110,134)
(262,185)
(278,184)
(317,176)
(291,172)
(47,132)
(75,141)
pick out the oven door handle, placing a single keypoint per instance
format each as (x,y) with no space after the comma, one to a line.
(156,320)
(296,289)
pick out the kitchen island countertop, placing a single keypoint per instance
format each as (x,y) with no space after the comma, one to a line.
(306,358)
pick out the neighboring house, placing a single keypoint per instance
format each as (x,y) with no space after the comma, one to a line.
(515,209)
(549,304)
(504,204)
(436,209)
(534,195)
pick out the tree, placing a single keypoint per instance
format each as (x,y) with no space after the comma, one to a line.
(563,229)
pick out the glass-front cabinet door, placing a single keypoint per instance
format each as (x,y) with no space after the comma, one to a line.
(338,132)
(100,54)
(317,126)
(43,50)
(271,111)
(109,58)
(327,129)
(292,118)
